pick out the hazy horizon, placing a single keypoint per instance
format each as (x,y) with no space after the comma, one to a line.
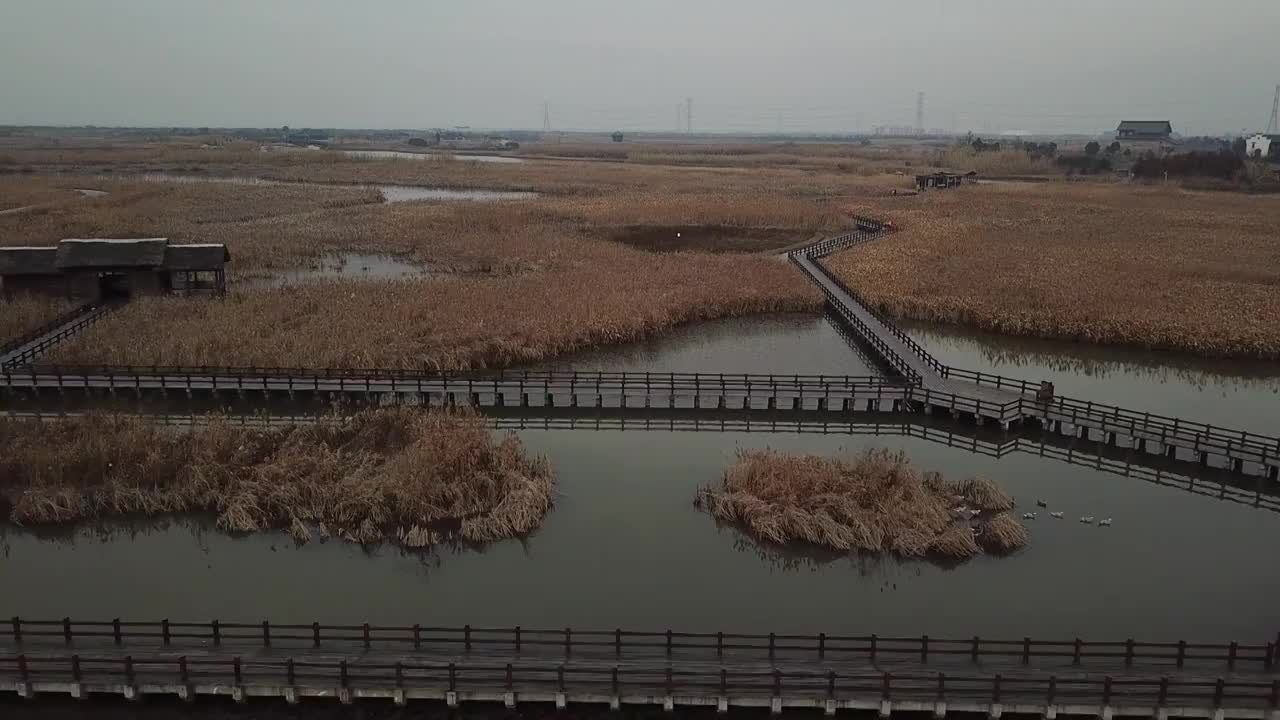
(756,66)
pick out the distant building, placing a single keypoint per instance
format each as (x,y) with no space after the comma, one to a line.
(103,269)
(941,180)
(617,136)
(1151,130)
(1261,145)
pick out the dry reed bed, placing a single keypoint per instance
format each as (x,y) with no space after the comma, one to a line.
(24,314)
(615,295)
(1152,268)
(876,503)
(18,191)
(401,475)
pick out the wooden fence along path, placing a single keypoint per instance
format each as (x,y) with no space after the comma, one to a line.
(25,348)
(618,667)
(922,384)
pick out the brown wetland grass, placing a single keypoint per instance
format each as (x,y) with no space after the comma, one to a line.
(1155,268)
(875,503)
(21,315)
(399,475)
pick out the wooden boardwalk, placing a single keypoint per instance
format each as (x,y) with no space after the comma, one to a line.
(923,385)
(617,667)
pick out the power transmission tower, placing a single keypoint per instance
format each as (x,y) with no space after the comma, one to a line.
(688,115)
(920,113)
(1273,126)
(679,117)
(546,117)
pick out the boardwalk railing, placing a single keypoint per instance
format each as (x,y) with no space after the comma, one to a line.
(471,679)
(619,642)
(28,338)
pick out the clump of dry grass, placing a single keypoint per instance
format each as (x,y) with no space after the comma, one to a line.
(21,314)
(1158,268)
(876,503)
(387,475)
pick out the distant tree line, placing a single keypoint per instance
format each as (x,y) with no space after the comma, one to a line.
(1225,164)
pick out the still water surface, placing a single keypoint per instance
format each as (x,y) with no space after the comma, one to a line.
(625,547)
(390,193)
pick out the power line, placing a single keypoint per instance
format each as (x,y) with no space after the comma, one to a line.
(1274,125)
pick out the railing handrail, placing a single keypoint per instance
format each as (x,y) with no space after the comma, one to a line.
(822,682)
(20,630)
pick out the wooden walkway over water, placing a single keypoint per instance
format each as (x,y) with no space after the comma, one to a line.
(618,667)
(922,385)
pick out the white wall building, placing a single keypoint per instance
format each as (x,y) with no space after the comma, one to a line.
(1260,144)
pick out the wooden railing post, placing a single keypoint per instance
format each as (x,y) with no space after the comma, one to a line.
(75,668)
(417,636)
(1218,688)
(509,679)
(266,634)
(235,669)
(831,683)
(995,688)
(517,636)
(719,644)
(1164,691)
(1053,690)
(973,652)
(668,642)
(290,677)
(1106,690)
(315,634)
(115,631)
(1231,655)
(1075,659)
(364,628)
(873,648)
(617,642)
(164,631)
(924,648)
(342,674)
(17,629)
(23,672)
(66,630)
(777,682)
(568,641)
(822,645)
(771,641)
(466,636)
(886,684)
(1128,652)
(942,686)
(216,630)
(1182,652)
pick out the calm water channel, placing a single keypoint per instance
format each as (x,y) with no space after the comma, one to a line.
(625,547)
(390,193)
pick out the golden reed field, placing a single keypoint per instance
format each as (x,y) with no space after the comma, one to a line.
(877,502)
(398,475)
(1159,268)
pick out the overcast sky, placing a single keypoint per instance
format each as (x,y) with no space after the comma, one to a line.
(749,65)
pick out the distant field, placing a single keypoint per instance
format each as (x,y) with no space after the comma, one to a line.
(1104,263)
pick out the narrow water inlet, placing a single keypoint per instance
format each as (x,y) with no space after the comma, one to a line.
(390,193)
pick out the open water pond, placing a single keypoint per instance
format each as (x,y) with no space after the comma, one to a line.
(624,545)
